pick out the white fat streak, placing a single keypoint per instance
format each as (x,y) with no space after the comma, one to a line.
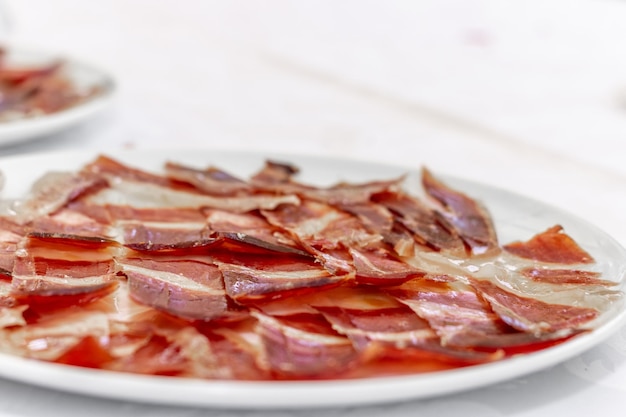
(171,278)
(291,275)
(398,338)
(48,281)
(428,309)
(291,332)
(145,195)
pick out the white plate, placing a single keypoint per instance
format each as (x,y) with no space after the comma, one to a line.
(516,217)
(83,75)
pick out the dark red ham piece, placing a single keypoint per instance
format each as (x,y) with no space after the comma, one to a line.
(470,219)
(427,227)
(188,289)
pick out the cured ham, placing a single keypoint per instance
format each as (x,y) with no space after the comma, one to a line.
(188,289)
(469,218)
(553,246)
(533,316)
(196,272)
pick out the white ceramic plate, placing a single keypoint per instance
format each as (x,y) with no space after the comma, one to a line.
(83,75)
(516,217)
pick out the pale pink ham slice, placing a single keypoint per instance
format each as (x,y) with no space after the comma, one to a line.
(566,277)
(145,195)
(54,190)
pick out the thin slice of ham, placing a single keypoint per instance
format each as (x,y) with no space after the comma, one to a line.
(144,195)
(165,236)
(278,177)
(188,289)
(304,346)
(52,191)
(252,229)
(530,315)
(263,276)
(459,316)
(427,227)
(566,277)
(553,246)
(211,180)
(62,265)
(470,219)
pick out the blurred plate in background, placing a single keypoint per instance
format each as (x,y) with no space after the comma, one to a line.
(83,78)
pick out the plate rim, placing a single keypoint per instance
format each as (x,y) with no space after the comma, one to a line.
(295,394)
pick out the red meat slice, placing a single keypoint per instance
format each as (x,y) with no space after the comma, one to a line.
(552,245)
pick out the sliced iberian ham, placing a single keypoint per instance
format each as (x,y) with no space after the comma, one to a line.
(530,315)
(459,316)
(552,245)
(52,265)
(199,273)
(304,345)
(470,219)
(185,288)
(427,227)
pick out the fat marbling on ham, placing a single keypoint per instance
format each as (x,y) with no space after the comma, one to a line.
(196,272)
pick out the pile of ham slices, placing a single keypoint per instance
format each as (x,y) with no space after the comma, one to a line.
(197,273)
(37,90)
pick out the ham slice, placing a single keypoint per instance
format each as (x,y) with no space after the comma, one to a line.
(459,315)
(533,316)
(304,346)
(165,236)
(427,227)
(188,289)
(53,191)
(470,219)
(259,277)
(212,180)
(553,246)
(62,265)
